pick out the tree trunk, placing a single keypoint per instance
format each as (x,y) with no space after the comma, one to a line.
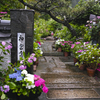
(72,30)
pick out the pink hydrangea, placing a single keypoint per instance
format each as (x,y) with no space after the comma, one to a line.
(22,67)
(72,45)
(52,33)
(36,77)
(86,42)
(8,47)
(63,44)
(3,43)
(39,82)
(98,17)
(78,42)
(90,26)
(30,60)
(80,51)
(34,59)
(45,89)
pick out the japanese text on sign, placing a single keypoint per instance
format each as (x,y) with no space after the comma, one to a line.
(20,45)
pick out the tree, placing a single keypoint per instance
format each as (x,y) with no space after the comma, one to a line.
(62,10)
(6,5)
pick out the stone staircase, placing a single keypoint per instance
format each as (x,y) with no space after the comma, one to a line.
(64,80)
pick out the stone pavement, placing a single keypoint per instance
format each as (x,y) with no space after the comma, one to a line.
(64,80)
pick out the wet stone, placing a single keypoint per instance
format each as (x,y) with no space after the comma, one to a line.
(60,70)
(71,80)
(61,74)
(72,93)
(42,59)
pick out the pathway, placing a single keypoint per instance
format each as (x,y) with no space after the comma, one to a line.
(64,80)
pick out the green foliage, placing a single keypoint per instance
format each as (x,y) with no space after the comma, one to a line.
(85,8)
(66,46)
(80,29)
(37,50)
(87,36)
(41,27)
(6,5)
(44,28)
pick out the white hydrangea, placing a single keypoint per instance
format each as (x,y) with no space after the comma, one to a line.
(24,72)
(29,77)
(30,86)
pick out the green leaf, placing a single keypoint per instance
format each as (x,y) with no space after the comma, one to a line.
(24,92)
(12,85)
(3,96)
(24,54)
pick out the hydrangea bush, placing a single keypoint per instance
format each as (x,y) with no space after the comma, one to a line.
(18,80)
(58,43)
(87,53)
(66,46)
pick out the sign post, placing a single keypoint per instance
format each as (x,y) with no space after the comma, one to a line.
(22,24)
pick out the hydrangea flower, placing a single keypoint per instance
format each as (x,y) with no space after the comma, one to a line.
(24,72)
(3,43)
(5,88)
(22,67)
(16,75)
(45,89)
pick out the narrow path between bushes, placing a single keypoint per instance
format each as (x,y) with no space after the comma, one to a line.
(64,80)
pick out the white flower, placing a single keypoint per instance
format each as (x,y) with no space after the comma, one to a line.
(41,52)
(89,46)
(92,57)
(24,72)
(94,44)
(29,77)
(30,86)
(99,57)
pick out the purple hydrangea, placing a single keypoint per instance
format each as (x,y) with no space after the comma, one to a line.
(22,67)
(3,43)
(5,88)
(30,60)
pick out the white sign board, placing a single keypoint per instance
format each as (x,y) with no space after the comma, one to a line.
(20,45)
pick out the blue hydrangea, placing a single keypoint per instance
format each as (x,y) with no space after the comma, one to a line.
(16,75)
(19,78)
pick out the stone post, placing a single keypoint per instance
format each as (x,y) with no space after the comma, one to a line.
(22,22)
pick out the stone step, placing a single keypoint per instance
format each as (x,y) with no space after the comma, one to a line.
(73,94)
(62,74)
(71,80)
(73,86)
(53,54)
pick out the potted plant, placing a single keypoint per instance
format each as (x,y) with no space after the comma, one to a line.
(76,49)
(18,84)
(38,53)
(58,44)
(66,47)
(91,57)
(4,50)
(94,30)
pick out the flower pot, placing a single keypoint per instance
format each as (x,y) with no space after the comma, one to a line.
(14,96)
(90,72)
(34,68)
(98,73)
(59,50)
(75,60)
(66,54)
(82,67)
(36,63)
